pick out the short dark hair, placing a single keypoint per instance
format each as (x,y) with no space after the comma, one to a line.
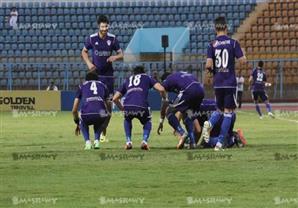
(260,64)
(139,70)
(164,76)
(91,76)
(220,24)
(102,19)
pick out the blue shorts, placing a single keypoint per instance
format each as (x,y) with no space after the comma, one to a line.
(191,99)
(259,95)
(225,98)
(92,119)
(142,114)
(109,82)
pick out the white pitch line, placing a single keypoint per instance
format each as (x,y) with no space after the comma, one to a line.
(278,118)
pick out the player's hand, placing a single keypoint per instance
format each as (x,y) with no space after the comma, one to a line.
(160,128)
(77,131)
(91,67)
(112,59)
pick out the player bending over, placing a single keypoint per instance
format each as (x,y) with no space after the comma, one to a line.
(188,101)
(221,56)
(93,96)
(258,80)
(135,89)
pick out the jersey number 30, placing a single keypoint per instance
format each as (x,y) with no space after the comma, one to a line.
(222,58)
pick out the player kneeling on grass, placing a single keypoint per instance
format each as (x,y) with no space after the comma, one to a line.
(135,89)
(93,96)
(189,98)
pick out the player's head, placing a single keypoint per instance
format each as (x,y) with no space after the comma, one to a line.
(260,64)
(13,9)
(138,70)
(103,24)
(91,76)
(164,76)
(220,24)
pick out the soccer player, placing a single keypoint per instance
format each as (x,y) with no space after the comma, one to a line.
(258,80)
(188,101)
(135,89)
(93,97)
(240,83)
(102,45)
(221,56)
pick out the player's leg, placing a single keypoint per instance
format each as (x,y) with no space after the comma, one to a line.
(128,128)
(97,127)
(264,98)
(255,96)
(85,131)
(145,119)
(239,96)
(229,106)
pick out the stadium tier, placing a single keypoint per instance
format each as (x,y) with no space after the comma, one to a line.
(47,44)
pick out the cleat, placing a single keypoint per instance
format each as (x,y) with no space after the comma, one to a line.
(128,146)
(261,117)
(181,142)
(192,146)
(205,132)
(241,138)
(144,146)
(103,138)
(96,144)
(218,147)
(88,146)
(271,115)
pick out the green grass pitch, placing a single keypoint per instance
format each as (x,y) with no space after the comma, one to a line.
(43,164)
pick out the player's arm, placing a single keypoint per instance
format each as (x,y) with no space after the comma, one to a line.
(250,81)
(161,90)
(163,110)
(86,59)
(116,57)
(116,100)
(75,114)
(242,60)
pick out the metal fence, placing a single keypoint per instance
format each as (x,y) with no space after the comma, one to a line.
(282,73)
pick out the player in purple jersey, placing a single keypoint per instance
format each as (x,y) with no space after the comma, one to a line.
(92,95)
(102,45)
(221,56)
(135,105)
(188,101)
(258,81)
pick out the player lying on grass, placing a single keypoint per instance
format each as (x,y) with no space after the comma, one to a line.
(258,81)
(93,97)
(189,98)
(135,89)
(207,109)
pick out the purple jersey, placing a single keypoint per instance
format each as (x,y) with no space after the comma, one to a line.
(135,88)
(179,81)
(259,79)
(93,95)
(223,51)
(102,49)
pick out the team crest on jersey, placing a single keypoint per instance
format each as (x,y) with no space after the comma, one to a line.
(109,42)
(215,43)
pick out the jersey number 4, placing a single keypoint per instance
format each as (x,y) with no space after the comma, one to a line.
(93,88)
(134,80)
(222,58)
